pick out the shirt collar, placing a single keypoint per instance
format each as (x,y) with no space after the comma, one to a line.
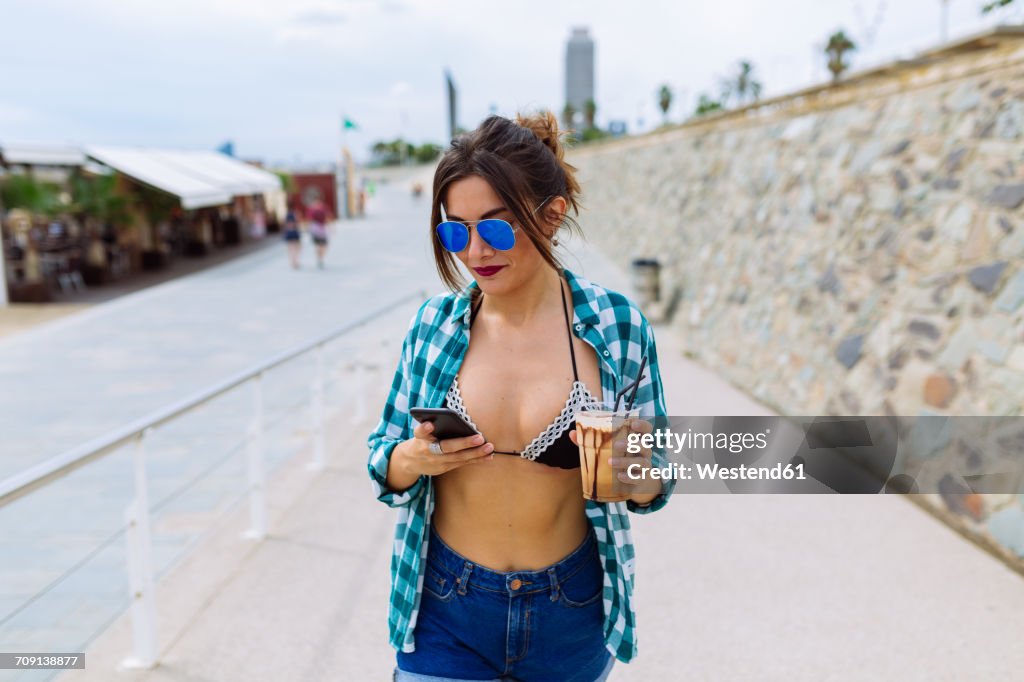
(584,307)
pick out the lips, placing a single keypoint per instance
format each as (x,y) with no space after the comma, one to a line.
(488,271)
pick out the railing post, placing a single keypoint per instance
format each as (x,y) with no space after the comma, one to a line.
(140,566)
(257,476)
(319,417)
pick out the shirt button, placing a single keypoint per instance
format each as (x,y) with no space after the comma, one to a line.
(516,584)
(579,327)
(606,353)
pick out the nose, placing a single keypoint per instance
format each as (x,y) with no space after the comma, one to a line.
(477,247)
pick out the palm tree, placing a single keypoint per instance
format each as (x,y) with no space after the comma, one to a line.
(664,100)
(744,86)
(996,4)
(568,115)
(589,112)
(838,45)
(706,104)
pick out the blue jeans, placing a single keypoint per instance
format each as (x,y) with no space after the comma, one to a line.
(479,624)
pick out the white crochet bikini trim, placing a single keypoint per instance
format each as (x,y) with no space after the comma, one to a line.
(579,397)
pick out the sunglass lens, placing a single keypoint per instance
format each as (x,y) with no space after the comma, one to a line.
(454,236)
(497,233)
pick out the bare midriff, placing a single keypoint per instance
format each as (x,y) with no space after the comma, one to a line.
(510,514)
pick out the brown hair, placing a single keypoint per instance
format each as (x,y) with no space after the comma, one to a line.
(524,162)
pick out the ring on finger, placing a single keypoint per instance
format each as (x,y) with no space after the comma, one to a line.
(435,448)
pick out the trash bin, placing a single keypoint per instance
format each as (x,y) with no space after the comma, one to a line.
(647,280)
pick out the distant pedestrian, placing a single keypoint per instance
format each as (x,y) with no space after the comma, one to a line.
(293,237)
(318,217)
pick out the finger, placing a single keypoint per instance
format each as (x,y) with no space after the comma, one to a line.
(572,437)
(638,425)
(624,462)
(479,455)
(468,455)
(423,430)
(452,445)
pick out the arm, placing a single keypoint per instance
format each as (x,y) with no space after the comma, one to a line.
(400,460)
(392,487)
(651,401)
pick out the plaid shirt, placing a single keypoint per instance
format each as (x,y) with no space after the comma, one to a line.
(431,356)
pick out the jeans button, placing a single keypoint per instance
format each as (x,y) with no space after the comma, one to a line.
(516,584)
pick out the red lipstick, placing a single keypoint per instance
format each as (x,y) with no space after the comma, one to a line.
(488,271)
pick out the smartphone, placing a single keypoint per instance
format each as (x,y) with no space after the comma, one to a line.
(447,423)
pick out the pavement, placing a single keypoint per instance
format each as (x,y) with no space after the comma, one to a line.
(729,587)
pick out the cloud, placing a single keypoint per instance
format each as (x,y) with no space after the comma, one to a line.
(11,114)
(322,16)
(400,88)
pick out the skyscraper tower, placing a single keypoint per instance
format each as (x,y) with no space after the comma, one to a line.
(579,71)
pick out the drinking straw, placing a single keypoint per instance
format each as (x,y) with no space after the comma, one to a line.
(632,385)
(636,384)
(618,396)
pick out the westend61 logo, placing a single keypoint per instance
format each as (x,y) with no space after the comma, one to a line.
(832,454)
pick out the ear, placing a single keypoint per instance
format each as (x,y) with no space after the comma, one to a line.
(554,212)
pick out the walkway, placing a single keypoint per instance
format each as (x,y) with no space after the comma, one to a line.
(728,587)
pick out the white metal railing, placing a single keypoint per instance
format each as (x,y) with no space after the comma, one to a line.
(137,515)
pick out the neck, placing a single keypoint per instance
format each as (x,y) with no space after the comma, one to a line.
(521,306)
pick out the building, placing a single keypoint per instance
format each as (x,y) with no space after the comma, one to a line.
(579,71)
(80,216)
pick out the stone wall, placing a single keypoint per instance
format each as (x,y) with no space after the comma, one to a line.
(846,250)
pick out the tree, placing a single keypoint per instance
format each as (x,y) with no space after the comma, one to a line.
(743,87)
(97,196)
(707,105)
(589,112)
(997,4)
(664,100)
(568,116)
(838,45)
(25,192)
(427,152)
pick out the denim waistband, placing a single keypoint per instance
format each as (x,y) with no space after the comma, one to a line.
(512,582)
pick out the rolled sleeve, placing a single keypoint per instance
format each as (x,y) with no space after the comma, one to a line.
(651,401)
(393,428)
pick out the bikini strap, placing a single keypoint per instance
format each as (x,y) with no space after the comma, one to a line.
(475,310)
(568,329)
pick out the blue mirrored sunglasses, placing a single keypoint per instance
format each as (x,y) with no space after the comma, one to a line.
(499,234)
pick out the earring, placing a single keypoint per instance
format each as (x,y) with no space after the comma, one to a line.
(554,241)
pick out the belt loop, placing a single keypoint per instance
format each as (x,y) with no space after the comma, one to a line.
(463,580)
(554,583)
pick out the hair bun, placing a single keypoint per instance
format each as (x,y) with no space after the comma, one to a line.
(545,126)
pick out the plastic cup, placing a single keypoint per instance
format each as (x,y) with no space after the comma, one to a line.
(596,431)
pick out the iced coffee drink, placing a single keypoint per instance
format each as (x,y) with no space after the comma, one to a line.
(596,431)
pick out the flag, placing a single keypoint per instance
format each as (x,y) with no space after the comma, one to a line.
(349,124)
(452,95)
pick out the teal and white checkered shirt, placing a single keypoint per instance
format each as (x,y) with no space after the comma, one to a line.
(431,356)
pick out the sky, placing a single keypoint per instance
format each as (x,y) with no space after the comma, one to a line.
(277,77)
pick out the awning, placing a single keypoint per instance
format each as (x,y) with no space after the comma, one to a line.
(150,167)
(41,155)
(224,171)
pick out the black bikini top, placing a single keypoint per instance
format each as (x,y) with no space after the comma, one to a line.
(553,446)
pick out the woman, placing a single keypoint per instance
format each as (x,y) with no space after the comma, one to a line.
(318,230)
(293,238)
(501,567)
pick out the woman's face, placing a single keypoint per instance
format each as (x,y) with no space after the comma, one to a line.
(495,272)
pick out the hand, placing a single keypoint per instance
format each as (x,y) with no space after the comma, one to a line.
(415,457)
(645,488)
